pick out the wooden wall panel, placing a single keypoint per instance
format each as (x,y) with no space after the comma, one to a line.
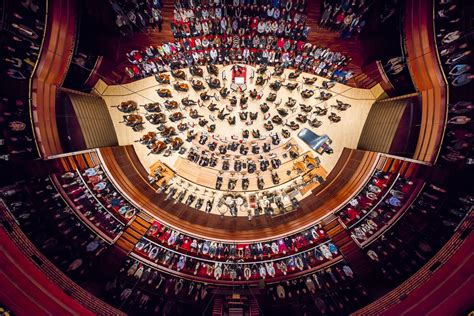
(52,67)
(427,76)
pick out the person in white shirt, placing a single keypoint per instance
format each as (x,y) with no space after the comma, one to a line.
(268,27)
(270,12)
(261,27)
(195,57)
(223,25)
(205,43)
(213,54)
(198,43)
(276,13)
(285,58)
(166,49)
(246,54)
(205,28)
(205,14)
(198,28)
(271,57)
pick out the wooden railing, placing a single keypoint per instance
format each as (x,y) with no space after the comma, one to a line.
(129,176)
(51,70)
(427,76)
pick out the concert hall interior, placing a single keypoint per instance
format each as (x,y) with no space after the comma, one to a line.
(236,157)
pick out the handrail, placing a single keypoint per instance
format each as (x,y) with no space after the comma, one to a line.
(30,81)
(233,263)
(272,187)
(444,77)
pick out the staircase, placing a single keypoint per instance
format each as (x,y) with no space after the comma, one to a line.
(254,309)
(218,307)
(325,38)
(363,81)
(132,234)
(313,11)
(356,258)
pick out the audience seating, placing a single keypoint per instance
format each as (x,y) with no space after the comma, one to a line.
(456,59)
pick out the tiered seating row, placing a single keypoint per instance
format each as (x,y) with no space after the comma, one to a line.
(215,272)
(382,218)
(83,210)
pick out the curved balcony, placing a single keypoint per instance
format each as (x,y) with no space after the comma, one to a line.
(51,70)
(427,76)
(350,174)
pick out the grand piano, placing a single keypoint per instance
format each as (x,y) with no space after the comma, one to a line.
(320,144)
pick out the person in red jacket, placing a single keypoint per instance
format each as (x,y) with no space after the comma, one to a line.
(281,43)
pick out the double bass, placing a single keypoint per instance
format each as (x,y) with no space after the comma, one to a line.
(127,106)
(134,121)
